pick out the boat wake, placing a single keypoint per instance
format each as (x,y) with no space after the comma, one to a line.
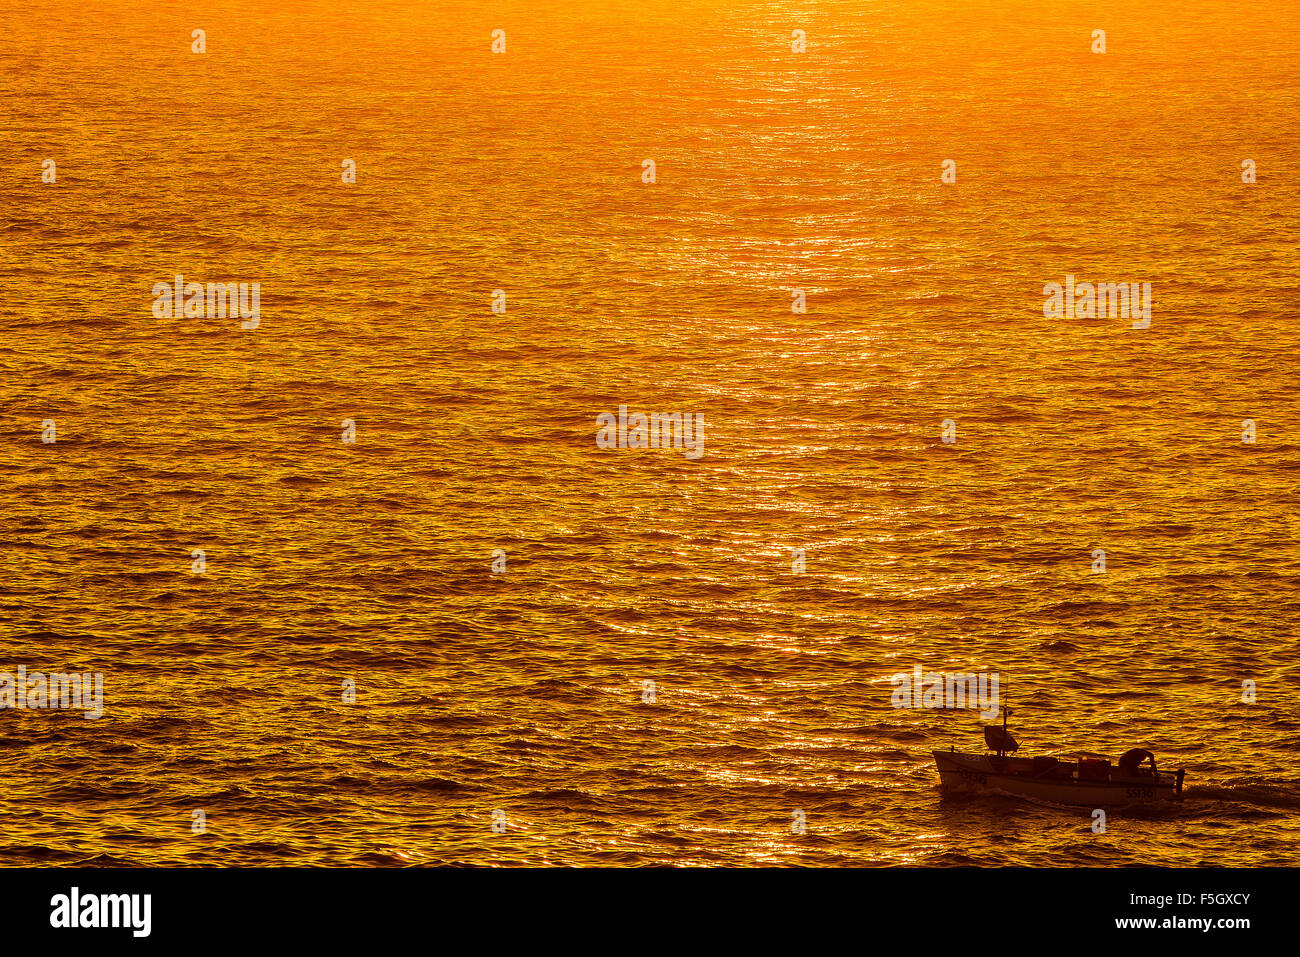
(1279,797)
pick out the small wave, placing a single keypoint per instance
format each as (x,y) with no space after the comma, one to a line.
(1261,795)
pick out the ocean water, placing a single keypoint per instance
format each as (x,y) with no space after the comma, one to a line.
(521,692)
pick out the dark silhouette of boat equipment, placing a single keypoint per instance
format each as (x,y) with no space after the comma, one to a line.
(1091,781)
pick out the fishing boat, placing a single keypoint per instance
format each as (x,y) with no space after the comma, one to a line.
(1091,781)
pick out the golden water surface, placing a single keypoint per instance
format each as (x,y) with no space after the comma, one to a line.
(524,691)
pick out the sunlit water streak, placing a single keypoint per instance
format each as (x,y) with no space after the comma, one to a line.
(476,431)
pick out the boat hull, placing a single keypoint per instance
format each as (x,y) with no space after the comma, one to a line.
(961,773)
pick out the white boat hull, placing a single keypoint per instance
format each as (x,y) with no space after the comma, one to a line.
(979,774)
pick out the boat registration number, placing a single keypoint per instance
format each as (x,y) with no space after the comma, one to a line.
(975,776)
(1141,793)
